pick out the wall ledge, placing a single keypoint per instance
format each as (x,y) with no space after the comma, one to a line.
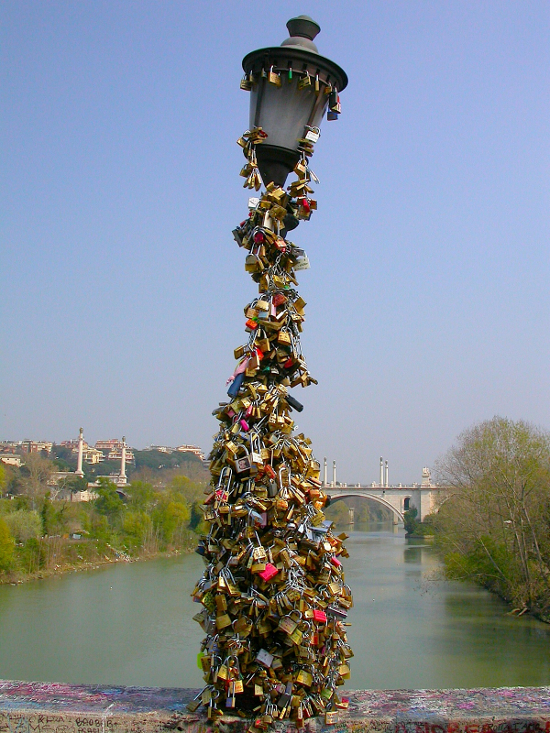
(43,707)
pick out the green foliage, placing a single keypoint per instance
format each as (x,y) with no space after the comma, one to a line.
(100,470)
(76,483)
(108,502)
(47,514)
(7,547)
(136,526)
(64,454)
(3,478)
(189,490)
(147,520)
(170,515)
(157,460)
(22,502)
(140,495)
(31,555)
(338,512)
(410,521)
(494,526)
(24,524)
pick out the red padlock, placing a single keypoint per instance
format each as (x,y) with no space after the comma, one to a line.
(319,616)
(252,325)
(269,572)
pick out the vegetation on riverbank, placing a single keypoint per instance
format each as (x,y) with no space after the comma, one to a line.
(41,536)
(494,526)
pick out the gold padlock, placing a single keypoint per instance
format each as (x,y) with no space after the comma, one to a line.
(304,678)
(331,717)
(223,622)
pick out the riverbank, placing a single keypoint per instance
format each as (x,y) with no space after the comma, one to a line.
(19,577)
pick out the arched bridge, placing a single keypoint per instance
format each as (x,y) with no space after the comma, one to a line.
(426,499)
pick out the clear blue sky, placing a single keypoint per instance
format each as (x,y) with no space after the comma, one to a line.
(122,289)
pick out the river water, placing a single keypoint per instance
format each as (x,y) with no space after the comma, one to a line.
(131,624)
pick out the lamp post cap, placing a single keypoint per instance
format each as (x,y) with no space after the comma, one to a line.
(304,26)
(303,30)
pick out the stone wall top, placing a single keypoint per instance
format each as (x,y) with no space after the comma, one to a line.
(38,707)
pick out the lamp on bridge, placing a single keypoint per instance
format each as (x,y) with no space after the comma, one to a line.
(267,499)
(291,87)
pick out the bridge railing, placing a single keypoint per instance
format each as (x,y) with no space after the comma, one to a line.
(33,707)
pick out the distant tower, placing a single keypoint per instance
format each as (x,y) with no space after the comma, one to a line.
(387,476)
(325,473)
(122,479)
(79,472)
(334,473)
(381,471)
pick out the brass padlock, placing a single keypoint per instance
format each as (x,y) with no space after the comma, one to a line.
(304,678)
(331,717)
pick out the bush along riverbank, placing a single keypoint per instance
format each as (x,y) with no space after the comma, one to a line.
(41,536)
(494,526)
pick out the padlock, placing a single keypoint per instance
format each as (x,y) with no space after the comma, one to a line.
(269,573)
(256,449)
(265,501)
(274,78)
(305,81)
(264,658)
(243,464)
(289,623)
(304,678)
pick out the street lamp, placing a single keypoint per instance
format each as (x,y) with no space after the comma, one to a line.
(273,592)
(291,87)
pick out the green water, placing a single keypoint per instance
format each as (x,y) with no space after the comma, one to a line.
(131,624)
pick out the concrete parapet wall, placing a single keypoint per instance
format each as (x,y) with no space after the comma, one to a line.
(34,707)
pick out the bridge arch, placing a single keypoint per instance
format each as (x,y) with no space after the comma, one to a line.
(365,495)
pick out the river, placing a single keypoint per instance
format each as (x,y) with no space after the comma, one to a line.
(131,624)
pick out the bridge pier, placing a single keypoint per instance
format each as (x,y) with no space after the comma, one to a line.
(42,707)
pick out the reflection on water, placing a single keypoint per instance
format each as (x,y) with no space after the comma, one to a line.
(133,624)
(413,629)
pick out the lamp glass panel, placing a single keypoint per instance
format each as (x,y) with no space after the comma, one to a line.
(285,111)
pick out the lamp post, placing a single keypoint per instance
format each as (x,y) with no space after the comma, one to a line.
(273,592)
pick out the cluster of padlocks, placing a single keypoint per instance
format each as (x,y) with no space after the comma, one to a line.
(273,594)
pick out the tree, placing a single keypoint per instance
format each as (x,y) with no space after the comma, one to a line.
(410,520)
(136,526)
(108,502)
(7,547)
(494,527)
(338,512)
(24,524)
(36,472)
(140,494)
(170,515)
